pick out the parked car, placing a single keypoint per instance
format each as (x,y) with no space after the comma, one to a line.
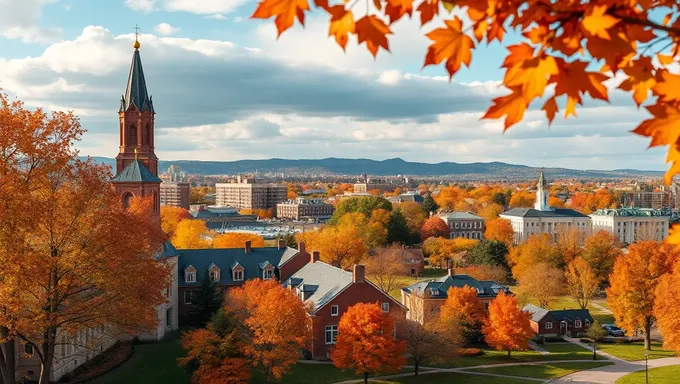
(613,330)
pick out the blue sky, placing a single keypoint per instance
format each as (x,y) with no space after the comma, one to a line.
(224,89)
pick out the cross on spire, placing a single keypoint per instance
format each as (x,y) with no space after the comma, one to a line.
(137,30)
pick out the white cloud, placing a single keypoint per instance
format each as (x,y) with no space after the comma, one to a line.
(166,29)
(217,16)
(19,20)
(202,7)
(141,5)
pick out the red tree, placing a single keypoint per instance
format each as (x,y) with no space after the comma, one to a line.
(434,226)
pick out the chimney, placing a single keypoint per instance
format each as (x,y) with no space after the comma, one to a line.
(449,268)
(315,257)
(247,246)
(301,247)
(282,244)
(359,274)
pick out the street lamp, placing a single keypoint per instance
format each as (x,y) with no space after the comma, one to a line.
(646,370)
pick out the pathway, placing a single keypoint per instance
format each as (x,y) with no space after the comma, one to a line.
(538,348)
(601,308)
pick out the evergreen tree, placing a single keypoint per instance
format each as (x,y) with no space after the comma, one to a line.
(397,229)
(429,205)
(489,252)
(289,238)
(499,198)
(208,300)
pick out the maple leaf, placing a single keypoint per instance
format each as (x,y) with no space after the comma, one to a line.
(480,29)
(573,80)
(667,86)
(342,23)
(596,21)
(428,9)
(663,128)
(450,44)
(673,157)
(284,10)
(512,106)
(373,31)
(396,9)
(550,108)
(531,75)
(640,81)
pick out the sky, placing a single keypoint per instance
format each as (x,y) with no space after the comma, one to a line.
(225,88)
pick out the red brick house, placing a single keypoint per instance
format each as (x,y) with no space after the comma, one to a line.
(413,258)
(570,322)
(231,267)
(331,290)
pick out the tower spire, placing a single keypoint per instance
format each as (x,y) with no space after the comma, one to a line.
(136,93)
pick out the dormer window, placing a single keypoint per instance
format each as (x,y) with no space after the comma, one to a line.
(214,276)
(190,274)
(268,274)
(237,275)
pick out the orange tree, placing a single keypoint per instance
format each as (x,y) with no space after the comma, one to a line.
(274,324)
(463,311)
(191,234)
(170,218)
(500,230)
(434,227)
(666,308)
(366,343)
(237,240)
(582,283)
(633,285)
(601,250)
(507,328)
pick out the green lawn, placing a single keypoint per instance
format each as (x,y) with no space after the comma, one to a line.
(663,375)
(154,363)
(458,378)
(542,371)
(634,351)
(310,373)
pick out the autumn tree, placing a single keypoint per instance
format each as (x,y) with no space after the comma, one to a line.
(365,205)
(440,251)
(543,282)
(415,218)
(465,311)
(429,205)
(365,342)
(340,246)
(434,227)
(633,285)
(522,199)
(666,307)
(582,283)
(385,267)
(507,328)
(423,342)
(274,324)
(237,240)
(601,250)
(191,234)
(373,231)
(569,242)
(491,211)
(171,217)
(537,249)
(500,230)
(485,272)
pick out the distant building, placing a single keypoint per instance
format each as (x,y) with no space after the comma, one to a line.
(247,194)
(302,208)
(464,224)
(413,258)
(176,174)
(408,197)
(176,194)
(218,217)
(368,185)
(631,224)
(570,322)
(543,218)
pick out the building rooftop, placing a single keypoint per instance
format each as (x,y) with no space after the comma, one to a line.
(439,287)
(531,212)
(136,172)
(538,313)
(321,282)
(460,216)
(623,212)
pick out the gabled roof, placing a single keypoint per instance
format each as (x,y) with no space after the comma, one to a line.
(329,282)
(136,172)
(538,314)
(167,251)
(136,93)
(288,254)
(555,212)
(460,216)
(439,287)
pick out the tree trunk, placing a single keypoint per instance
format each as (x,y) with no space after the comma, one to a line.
(47,357)
(416,366)
(648,335)
(594,353)
(7,363)
(508,353)
(365,377)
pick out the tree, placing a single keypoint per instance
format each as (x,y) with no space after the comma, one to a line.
(191,234)
(569,241)
(596,333)
(340,246)
(215,354)
(170,218)
(237,240)
(373,233)
(364,204)
(386,267)
(434,227)
(489,252)
(365,342)
(290,241)
(543,282)
(536,250)
(440,250)
(485,272)
(582,283)
(548,55)
(491,211)
(666,308)
(507,328)
(429,205)
(422,342)
(274,323)
(415,218)
(500,230)
(522,199)
(397,229)
(633,283)
(208,300)
(464,310)
(601,251)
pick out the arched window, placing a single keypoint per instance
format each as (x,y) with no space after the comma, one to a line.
(127,199)
(132,135)
(147,135)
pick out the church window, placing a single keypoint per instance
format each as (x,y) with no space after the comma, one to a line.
(132,135)
(127,199)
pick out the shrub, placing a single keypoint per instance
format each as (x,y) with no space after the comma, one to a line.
(468,352)
(554,339)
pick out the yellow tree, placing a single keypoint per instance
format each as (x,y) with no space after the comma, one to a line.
(601,251)
(415,217)
(666,308)
(191,234)
(170,218)
(507,328)
(582,283)
(536,250)
(341,246)
(237,240)
(569,242)
(633,285)
(500,230)
(543,281)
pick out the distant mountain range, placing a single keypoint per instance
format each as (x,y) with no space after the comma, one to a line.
(390,167)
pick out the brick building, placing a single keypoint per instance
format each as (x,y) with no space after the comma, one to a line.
(570,322)
(176,194)
(302,208)
(464,224)
(413,258)
(331,291)
(248,194)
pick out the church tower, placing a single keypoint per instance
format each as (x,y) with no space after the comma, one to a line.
(542,195)
(136,163)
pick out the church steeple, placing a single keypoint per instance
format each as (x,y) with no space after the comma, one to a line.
(542,203)
(136,93)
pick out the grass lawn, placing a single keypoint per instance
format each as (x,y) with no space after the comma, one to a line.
(542,371)
(154,363)
(634,351)
(304,373)
(453,377)
(663,375)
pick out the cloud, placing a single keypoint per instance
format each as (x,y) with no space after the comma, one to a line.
(141,5)
(19,20)
(202,7)
(217,16)
(218,100)
(165,29)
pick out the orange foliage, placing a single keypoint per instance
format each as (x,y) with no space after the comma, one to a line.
(543,281)
(601,251)
(500,230)
(582,283)
(491,211)
(365,342)
(275,321)
(555,202)
(666,308)
(340,245)
(485,272)
(434,227)
(536,250)
(633,284)
(588,203)
(450,196)
(207,349)
(170,218)
(462,305)
(507,328)
(237,240)
(375,192)
(191,234)
(265,213)
(522,199)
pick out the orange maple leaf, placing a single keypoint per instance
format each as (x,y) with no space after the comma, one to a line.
(664,127)
(550,108)
(284,10)
(531,75)
(673,157)
(428,9)
(373,31)
(512,106)
(342,23)
(450,44)
(640,80)
(573,80)
(396,9)
(596,21)
(667,86)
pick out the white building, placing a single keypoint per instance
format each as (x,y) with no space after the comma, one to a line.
(543,218)
(633,224)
